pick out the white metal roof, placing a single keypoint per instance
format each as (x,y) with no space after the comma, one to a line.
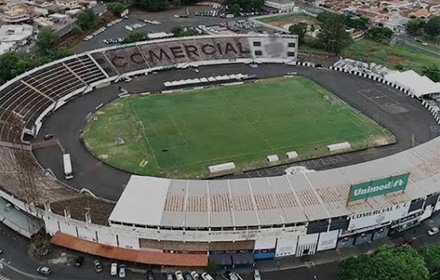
(275,200)
(142,201)
(418,85)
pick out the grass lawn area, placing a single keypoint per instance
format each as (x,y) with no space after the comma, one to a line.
(179,135)
(396,57)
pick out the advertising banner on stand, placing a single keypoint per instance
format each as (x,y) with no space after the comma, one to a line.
(378,187)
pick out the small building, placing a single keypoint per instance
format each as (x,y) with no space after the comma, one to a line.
(18,35)
(421,13)
(68,4)
(283,6)
(272,158)
(14,13)
(7,47)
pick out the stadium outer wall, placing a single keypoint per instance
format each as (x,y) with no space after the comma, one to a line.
(262,242)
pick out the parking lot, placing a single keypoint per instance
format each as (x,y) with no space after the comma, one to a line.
(166,20)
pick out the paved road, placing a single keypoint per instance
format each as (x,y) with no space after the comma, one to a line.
(409,42)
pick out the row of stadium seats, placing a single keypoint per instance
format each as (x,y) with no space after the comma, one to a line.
(28,97)
(16,165)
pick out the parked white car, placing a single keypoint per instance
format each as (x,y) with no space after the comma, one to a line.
(195,275)
(257,275)
(433,230)
(206,276)
(179,275)
(122,271)
(114,269)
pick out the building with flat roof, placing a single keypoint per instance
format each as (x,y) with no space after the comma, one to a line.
(15,13)
(283,6)
(17,34)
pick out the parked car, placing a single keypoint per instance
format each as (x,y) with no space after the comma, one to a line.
(206,276)
(98,267)
(179,275)
(150,275)
(170,276)
(195,275)
(79,261)
(122,271)
(188,276)
(44,270)
(257,275)
(48,136)
(433,230)
(232,276)
(114,269)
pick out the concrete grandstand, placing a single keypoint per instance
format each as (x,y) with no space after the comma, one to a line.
(229,221)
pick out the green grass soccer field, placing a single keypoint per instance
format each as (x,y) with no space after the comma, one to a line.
(179,135)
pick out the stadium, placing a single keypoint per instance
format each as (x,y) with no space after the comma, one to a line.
(373,170)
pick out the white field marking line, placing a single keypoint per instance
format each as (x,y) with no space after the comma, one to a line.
(256,131)
(178,129)
(153,129)
(145,136)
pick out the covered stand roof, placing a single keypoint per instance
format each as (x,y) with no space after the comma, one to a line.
(137,256)
(418,85)
(274,200)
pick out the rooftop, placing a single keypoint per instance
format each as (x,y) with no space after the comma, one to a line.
(12,33)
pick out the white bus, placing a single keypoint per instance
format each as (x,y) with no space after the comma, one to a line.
(68,172)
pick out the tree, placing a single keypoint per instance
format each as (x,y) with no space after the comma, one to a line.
(235,9)
(399,263)
(358,22)
(333,37)
(432,27)
(135,36)
(322,17)
(431,255)
(76,29)
(211,268)
(379,33)
(46,41)
(16,63)
(432,72)
(117,8)
(246,5)
(299,29)
(177,3)
(152,5)
(87,19)
(179,31)
(414,26)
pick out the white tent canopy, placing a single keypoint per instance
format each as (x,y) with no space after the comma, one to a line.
(418,85)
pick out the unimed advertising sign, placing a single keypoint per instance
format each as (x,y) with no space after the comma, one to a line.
(378,187)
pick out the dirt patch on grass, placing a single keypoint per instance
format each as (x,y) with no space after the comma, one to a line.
(381,142)
(280,22)
(392,59)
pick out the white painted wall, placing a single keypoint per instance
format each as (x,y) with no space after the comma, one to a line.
(87,233)
(269,243)
(286,246)
(129,242)
(107,238)
(328,240)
